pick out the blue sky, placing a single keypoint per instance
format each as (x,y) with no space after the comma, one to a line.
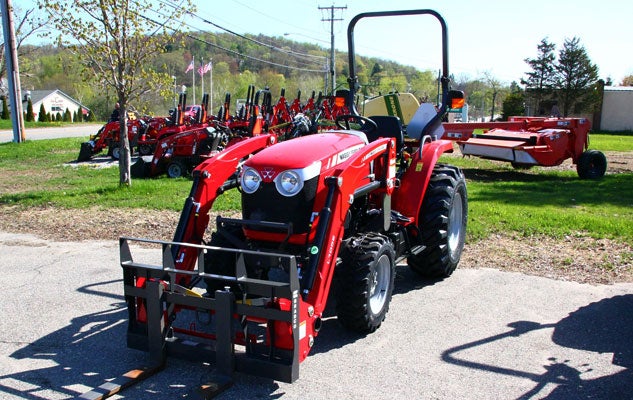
(484,36)
(492,37)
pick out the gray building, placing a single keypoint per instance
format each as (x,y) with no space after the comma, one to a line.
(617,109)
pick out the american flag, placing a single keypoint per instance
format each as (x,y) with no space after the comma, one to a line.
(190,67)
(204,68)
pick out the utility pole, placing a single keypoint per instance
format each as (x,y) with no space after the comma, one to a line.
(13,71)
(331,20)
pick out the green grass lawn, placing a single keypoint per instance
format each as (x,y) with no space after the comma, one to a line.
(539,201)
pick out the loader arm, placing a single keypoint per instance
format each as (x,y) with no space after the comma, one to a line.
(210,179)
(351,180)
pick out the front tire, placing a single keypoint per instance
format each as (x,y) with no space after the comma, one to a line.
(145,150)
(365,282)
(442,223)
(176,169)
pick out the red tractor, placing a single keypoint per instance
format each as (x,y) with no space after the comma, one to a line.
(327,213)
(108,138)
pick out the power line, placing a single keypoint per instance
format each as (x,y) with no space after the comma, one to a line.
(267,45)
(233,51)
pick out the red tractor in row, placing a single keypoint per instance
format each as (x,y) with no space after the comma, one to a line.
(325,215)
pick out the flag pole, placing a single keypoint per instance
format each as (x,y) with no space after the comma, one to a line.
(201,78)
(193,74)
(211,84)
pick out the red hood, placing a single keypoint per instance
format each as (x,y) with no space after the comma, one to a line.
(328,148)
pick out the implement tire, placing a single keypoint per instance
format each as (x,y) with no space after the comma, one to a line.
(592,164)
(365,282)
(442,223)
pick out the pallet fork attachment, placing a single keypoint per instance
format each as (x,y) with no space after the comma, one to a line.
(153,298)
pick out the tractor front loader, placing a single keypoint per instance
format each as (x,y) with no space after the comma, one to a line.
(324,214)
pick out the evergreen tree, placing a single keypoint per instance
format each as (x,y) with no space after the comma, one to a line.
(513,104)
(80,115)
(67,117)
(5,108)
(576,77)
(29,111)
(41,116)
(542,79)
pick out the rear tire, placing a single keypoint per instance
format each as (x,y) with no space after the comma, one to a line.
(115,152)
(442,223)
(365,282)
(592,164)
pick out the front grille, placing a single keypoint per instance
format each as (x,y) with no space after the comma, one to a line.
(266,204)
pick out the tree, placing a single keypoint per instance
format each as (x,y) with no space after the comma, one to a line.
(514,104)
(5,108)
(495,87)
(115,44)
(542,79)
(576,77)
(29,111)
(41,116)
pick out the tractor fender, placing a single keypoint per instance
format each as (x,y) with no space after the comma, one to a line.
(413,183)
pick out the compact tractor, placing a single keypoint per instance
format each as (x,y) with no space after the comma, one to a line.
(325,216)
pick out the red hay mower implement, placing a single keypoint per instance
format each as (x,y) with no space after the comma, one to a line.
(325,215)
(531,141)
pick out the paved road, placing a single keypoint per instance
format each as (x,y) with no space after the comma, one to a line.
(83,130)
(481,334)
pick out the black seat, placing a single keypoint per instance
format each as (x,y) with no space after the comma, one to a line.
(388,126)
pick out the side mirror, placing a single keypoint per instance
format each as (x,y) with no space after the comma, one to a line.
(456,99)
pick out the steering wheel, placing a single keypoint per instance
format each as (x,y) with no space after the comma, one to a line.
(366,124)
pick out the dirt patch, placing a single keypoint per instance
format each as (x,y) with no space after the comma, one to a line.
(575,258)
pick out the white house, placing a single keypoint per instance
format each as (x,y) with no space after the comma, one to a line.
(54,101)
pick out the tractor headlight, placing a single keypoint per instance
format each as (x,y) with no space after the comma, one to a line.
(250,180)
(289,183)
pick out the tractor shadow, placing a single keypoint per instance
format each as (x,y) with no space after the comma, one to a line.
(511,175)
(605,326)
(85,352)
